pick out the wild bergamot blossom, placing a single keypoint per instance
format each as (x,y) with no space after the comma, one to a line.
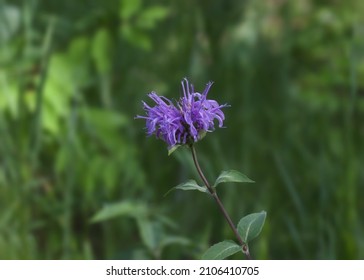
(185,122)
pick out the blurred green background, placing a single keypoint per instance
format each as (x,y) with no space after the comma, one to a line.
(78,177)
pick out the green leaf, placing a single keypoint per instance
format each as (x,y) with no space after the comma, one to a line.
(190,185)
(150,232)
(174,240)
(148,18)
(101,50)
(232,176)
(251,225)
(171,150)
(79,54)
(103,120)
(221,250)
(10,21)
(124,208)
(136,37)
(129,8)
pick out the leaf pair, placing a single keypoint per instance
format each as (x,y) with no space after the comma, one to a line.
(230,176)
(249,228)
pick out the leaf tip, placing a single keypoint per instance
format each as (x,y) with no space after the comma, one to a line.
(171,150)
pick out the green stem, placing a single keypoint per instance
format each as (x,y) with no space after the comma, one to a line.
(212,191)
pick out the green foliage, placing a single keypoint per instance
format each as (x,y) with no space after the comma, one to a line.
(149,18)
(152,229)
(136,21)
(9,22)
(221,250)
(72,81)
(251,225)
(101,50)
(125,208)
(129,8)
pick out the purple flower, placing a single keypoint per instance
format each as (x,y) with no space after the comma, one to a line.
(186,122)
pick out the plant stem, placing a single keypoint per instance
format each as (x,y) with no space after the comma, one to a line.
(212,191)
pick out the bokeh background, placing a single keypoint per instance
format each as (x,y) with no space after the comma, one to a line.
(80,180)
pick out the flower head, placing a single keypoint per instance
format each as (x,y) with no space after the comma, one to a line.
(184,123)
